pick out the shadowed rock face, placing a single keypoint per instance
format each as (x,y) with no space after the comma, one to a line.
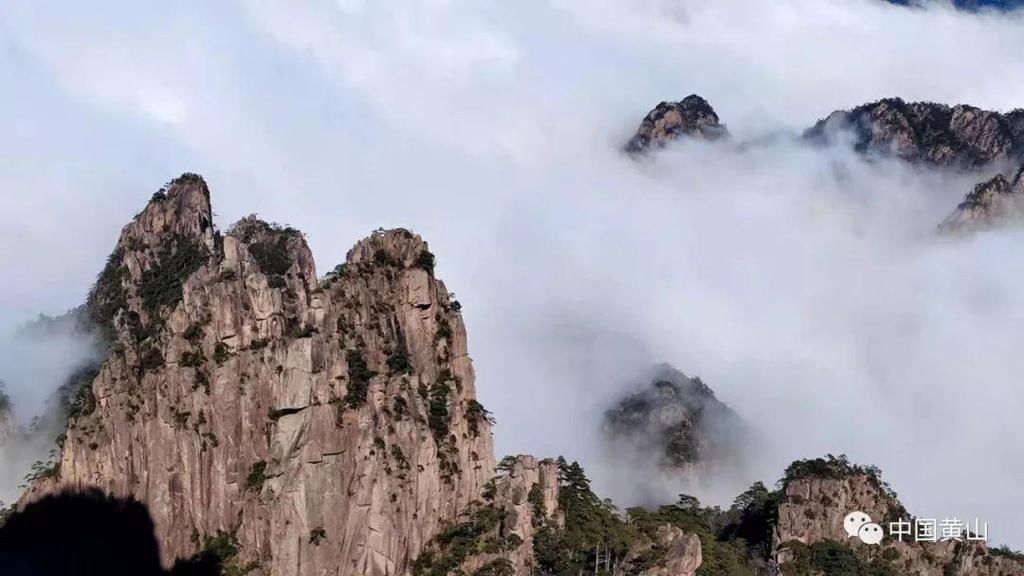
(692,116)
(7,426)
(322,426)
(996,202)
(677,422)
(959,136)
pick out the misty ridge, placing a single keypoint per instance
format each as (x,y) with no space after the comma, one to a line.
(824,239)
(45,364)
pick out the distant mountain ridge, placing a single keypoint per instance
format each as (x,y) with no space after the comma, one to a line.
(927,134)
(675,424)
(970,4)
(287,424)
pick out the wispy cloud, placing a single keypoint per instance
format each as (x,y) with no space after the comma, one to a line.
(805,286)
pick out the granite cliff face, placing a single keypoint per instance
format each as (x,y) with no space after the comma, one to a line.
(307,426)
(992,203)
(496,535)
(958,136)
(809,534)
(297,426)
(540,517)
(675,423)
(692,117)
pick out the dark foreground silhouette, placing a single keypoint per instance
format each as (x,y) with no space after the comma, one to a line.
(88,533)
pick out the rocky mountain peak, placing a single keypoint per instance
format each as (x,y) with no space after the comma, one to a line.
(279,253)
(398,246)
(157,251)
(959,136)
(181,208)
(308,426)
(675,420)
(692,116)
(809,536)
(991,203)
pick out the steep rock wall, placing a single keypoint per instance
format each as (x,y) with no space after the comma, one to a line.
(315,427)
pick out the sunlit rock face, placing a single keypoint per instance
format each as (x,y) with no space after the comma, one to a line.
(690,117)
(676,424)
(536,514)
(813,501)
(926,132)
(317,426)
(995,202)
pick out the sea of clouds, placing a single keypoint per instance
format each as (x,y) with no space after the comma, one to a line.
(806,286)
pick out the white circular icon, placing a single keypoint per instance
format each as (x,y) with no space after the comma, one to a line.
(853,522)
(871,533)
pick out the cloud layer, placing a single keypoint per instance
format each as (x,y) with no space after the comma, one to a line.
(805,286)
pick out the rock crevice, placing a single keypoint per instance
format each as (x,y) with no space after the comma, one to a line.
(234,372)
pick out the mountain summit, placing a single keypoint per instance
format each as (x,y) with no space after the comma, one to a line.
(250,418)
(692,116)
(955,136)
(676,424)
(313,425)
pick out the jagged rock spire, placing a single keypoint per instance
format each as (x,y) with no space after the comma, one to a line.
(675,423)
(316,427)
(692,116)
(992,203)
(958,136)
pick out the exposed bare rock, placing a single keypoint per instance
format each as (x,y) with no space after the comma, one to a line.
(7,425)
(996,202)
(692,116)
(816,497)
(675,423)
(814,507)
(680,554)
(496,535)
(675,553)
(959,136)
(316,427)
(527,491)
(540,517)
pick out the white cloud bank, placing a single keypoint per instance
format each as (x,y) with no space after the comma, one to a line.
(805,286)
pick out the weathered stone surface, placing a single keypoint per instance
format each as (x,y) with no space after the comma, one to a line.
(958,136)
(681,557)
(528,493)
(992,203)
(692,116)
(329,427)
(523,496)
(813,508)
(675,423)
